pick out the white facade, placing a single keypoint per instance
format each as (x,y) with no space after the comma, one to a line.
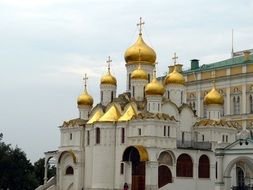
(160,143)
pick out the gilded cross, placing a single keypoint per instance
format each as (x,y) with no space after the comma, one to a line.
(175,58)
(85,78)
(109,62)
(140,25)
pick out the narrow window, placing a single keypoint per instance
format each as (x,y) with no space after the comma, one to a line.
(88,137)
(181,97)
(158,107)
(203,138)
(121,168)
(139,132)
(168,131)
(226,138)
(168,94)
(111,96)
(251,104)
(97,136)
(144,91)
(129,81)
(164,130)
(182,137)
(101,94)
(122,135)
(204,167)
(148,78)
(70,136)
(133,91)
(223,138)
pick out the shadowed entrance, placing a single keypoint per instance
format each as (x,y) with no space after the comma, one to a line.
(137,155)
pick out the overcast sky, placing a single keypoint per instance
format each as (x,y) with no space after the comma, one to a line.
(46,46)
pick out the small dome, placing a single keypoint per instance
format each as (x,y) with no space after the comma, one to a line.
(139,73)
(174,78)
(148,55)
(108,79)
(213,97)
(154,87)
(85,99)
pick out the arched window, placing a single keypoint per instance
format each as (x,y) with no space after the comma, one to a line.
(236,102)
(204,167)
(69,171)
(164,176)
(97,135)
(184,166)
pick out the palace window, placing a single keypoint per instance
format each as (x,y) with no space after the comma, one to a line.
(204,167)
(236,102)
(184,166)
(69,171)
(251,104)
(97,135)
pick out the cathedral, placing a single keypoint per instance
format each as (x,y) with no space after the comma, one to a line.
(190,129)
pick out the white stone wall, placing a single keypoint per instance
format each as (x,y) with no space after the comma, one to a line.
(154,103)
(176,93)
(106,95)
(139,89)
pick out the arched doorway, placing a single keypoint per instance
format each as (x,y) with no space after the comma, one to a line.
(137,155)
(240,178)
(164,176)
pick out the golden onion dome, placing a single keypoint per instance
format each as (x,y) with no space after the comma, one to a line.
(174,78)
(213,97)
(108,79)
(148,55)
(154,87)
(139,73)
(85,99)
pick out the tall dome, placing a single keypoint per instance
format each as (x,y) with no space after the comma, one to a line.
(108,78)
(174,78)
(85,99)
(154,87)
(213,97)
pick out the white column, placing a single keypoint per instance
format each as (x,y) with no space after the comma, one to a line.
(45,171)
(151,175)
(219,184)
(227,112)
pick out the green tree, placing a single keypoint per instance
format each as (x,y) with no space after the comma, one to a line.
(17,173)
(39,170)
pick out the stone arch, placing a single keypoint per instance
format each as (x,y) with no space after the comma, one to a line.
(72,154)
(230,165)
(166,157)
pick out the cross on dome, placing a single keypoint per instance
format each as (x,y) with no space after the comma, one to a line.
(140,25)
(109,63)
(85,78)
(175,58)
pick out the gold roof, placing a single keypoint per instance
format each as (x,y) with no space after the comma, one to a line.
(148,55)
(108,79)
(139,73)
(213,97)
(215,123)
(154,87)
(96,116)
(143,153)
(85,99)
(128,115)
(112,114)
(174,77)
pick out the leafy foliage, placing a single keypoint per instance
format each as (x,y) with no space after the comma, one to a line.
(17,172)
